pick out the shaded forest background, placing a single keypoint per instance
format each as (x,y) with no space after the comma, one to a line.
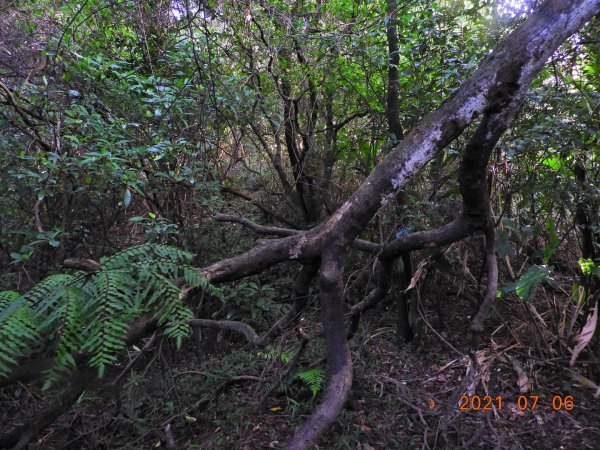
(144,140)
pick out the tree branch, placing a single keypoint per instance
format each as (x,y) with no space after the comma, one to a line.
(233,325)
(260,206)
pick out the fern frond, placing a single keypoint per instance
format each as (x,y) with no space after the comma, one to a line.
(164,291)
(70,333)
(145,253)
(172,253)
(193,278)
(17,332)
(177,321)
(314,379)
(82,312)
(47,289)
(113,294)
(10,301)
(7,298)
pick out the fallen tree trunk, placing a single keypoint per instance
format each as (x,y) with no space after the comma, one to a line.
(503,75)
(495,91)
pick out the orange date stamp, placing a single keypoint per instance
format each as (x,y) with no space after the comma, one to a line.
(523,403)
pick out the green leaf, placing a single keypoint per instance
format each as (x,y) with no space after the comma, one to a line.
(589,267)
(534,276)
(503,246)
(506,289)
(127,198)
(16,256)
(553,241)
(314,379)
(554,162)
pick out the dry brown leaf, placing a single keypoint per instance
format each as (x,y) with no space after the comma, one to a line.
(586,334)
(364,446)
(537,315)
(522,378)
(586,382)
(418,274)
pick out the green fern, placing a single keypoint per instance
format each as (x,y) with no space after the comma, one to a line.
(90,313)
(176,316)
(18,331)
(69,335)
(314,379)
(9,302)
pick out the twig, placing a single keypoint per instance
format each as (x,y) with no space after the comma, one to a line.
(170,445)
(84,264)
(399,388)
(127,368)
(445,341)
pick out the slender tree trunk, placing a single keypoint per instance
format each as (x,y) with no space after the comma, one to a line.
(339,372)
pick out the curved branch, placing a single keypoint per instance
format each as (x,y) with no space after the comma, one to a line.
(233,325)
(444,235)
(359,244)
(260,229)
(447,234)
(301,291)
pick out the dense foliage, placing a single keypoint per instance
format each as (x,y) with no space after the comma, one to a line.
(126,126)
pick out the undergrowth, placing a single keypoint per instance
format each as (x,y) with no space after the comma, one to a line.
(86,314)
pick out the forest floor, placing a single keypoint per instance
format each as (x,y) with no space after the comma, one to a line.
(221,395)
